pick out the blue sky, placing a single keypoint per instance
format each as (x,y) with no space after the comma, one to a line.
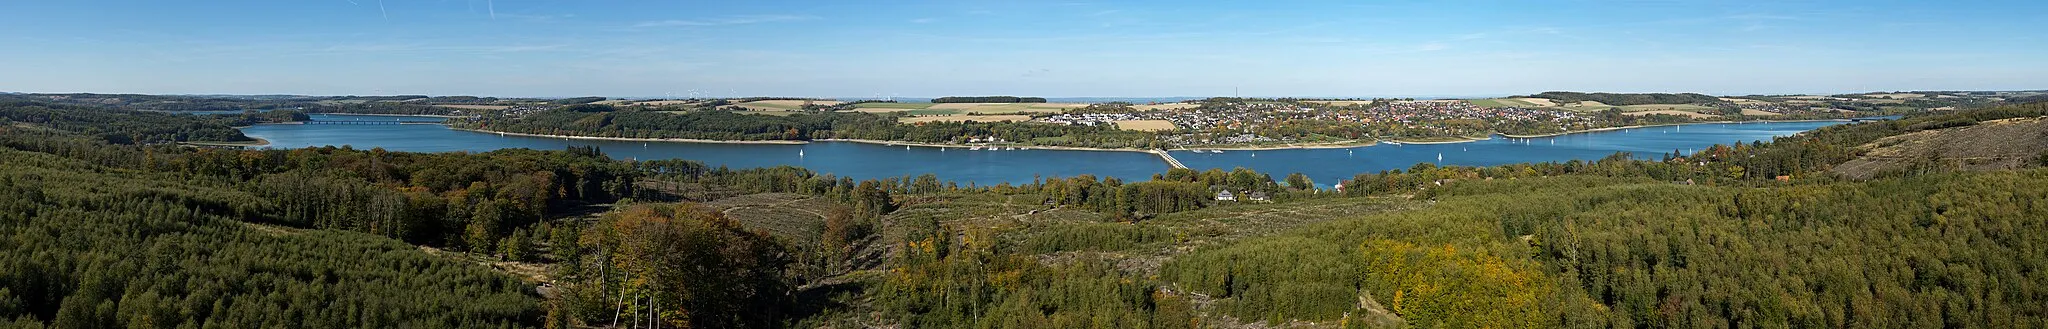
(1033,48)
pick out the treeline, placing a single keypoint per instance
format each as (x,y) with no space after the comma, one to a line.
(607,121)
(138,127)
(988,99)
(382,108)
(1627,99)
(457,200)
(89,246)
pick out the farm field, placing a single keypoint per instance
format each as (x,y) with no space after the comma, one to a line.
(966,108)
(1514,102)
(1340,103)
(1694,115)
(1145,125)
(783,105)
(1751,112)
(961,118)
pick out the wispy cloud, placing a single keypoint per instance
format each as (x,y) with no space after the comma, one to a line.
(731,20)
(923,20)
(1106,12)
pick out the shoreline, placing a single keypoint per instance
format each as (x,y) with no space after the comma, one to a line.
(396,115)
(259,141)
(630,139)
(1460,140)
(1161,152)
(1312,146)
(1595,130)
(961,146)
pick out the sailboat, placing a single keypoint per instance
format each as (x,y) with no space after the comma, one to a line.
(1439,157)
(799,153)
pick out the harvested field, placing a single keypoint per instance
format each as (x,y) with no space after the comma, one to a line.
(1989,145)
(1340,103)
(784,105)
(975,118)
(790,216)
(1145,125)
(1751,112)
(1695,115)
(1544,102)
(662,103)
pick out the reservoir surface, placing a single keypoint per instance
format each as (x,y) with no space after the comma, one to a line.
(862,161)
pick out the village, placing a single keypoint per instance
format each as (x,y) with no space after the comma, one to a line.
(1255,122)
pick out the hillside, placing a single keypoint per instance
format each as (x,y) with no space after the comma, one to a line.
(1989,145)
(1562,97)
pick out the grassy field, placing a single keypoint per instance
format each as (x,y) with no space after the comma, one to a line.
(1758,113)
(966,108)
(975,118)
(890,107)
(783,105)
(1145,125)
(1499,102)
(1695,115)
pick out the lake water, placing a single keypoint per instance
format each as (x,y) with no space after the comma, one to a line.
(862,161)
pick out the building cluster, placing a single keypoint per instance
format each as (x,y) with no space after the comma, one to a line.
(1092,119)
(1246,118)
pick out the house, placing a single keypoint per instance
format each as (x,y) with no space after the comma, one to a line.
(1258,196)
(1225,195)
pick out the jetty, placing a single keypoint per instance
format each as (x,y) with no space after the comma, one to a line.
(1169,159)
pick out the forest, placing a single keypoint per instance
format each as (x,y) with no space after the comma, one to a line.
(105,232)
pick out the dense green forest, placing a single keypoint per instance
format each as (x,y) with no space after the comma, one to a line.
(104,232)
(91,246)
(130,127)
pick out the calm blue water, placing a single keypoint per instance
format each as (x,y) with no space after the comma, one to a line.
(1328,166)
(856,160)
(862,161)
